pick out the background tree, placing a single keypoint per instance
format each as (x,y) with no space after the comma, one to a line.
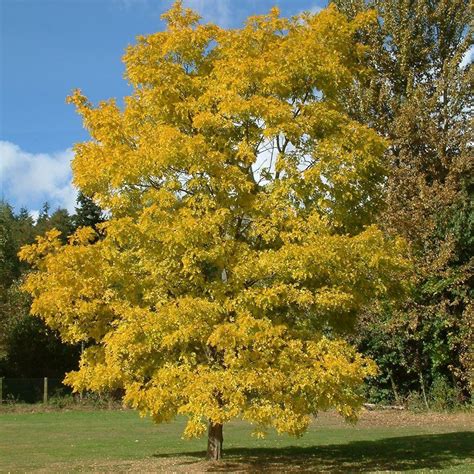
(63,222)
(239,247)
(9,263)
(88,213)
(41,224)
(24,232)
(27,347)
(59,219)
(418,93)
(30,348)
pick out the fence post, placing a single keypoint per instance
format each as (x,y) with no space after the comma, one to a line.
(45,390)
(1,390)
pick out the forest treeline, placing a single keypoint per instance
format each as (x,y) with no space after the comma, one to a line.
(418,94)
(27,347)
(415,90)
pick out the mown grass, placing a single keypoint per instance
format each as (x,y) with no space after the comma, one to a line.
(121,441)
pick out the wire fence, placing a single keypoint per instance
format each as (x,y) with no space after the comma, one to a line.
(31,390)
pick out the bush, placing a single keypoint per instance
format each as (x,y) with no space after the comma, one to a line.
(443,396)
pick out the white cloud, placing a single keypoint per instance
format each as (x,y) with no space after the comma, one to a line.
(29,179)
(215,11)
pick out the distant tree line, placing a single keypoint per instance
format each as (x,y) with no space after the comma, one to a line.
(27,347)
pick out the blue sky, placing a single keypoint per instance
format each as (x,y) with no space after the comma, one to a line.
(48,48)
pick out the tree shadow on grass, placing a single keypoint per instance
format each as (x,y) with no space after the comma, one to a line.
(431,451)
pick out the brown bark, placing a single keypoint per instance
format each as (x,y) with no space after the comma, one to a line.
(394,388)
(214,442)
(423,391)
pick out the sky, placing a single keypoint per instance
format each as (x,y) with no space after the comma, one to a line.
(50,47)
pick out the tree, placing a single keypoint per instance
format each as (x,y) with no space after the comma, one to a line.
(44,213)
(418,94)
(9,264)
(239,246)
(27,347)
(59,219)
(88,213)
(24,233)
(62,221)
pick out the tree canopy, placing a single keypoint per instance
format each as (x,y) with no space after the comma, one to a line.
(240,243)
(418,93)
(27,347)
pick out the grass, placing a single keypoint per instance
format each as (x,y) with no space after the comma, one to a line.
(119,440)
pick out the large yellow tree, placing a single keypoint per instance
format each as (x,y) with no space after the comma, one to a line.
(239,246)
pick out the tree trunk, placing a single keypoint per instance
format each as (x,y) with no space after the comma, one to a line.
(394,388)
(214,442)
(423,391)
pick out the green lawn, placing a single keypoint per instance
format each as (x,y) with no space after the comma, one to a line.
(119,440)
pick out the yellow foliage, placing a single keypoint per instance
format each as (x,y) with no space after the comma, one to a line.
(240,200)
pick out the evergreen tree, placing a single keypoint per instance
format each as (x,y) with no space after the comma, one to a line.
(42,223)
(24,228)
(27,347)
(88,213)
(62,221)
(9,263)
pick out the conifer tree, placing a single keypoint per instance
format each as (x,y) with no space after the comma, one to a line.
(88,213)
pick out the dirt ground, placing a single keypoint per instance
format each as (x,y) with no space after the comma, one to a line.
(402,418)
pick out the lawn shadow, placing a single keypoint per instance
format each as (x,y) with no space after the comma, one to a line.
(430,451)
